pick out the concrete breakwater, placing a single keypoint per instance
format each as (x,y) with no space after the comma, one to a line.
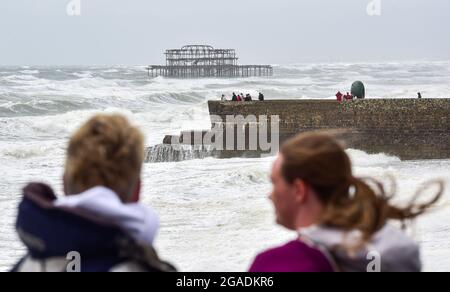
(408,128)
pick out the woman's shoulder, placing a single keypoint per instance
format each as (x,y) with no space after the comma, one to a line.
(295,256)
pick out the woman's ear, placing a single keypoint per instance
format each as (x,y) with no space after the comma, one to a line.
(301,190)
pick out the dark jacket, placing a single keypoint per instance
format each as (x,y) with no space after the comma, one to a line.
(50,232)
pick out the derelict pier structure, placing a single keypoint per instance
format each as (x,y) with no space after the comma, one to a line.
(200,61)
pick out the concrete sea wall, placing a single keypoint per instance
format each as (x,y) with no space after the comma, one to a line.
(407,128)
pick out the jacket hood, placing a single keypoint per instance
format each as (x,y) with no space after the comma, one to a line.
(138,221)
(93,223)
(390,249)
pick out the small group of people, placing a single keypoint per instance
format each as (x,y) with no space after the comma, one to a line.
(337,220)
(341,97)
(241,97)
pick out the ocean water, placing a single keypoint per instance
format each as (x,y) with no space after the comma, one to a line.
(215,213)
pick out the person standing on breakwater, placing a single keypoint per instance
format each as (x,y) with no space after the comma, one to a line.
(234,98)
(348,96)
(261,97)
(248,97)
(223,98)
(339,96)
(419,95)
(340,219)
(99,220)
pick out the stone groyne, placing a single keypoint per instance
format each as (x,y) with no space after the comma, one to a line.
(408,128)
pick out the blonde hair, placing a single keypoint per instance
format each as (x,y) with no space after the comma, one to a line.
(321,162)
(106,151)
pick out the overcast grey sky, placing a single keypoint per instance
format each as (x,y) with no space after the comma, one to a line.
(40,32)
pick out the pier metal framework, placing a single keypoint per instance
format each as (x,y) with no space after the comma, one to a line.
(197,61)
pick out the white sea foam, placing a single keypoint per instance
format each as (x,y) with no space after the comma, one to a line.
(111,71)
(85,74)
(21,151)
(361,158)
(20,78)
(31,72)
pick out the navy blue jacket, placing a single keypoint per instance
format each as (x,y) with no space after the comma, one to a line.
(50,232)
